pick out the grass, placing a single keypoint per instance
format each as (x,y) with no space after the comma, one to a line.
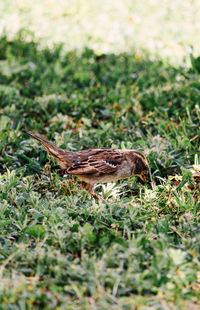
(62,249)
(168,30)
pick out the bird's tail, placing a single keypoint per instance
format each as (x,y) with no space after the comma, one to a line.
(62,156)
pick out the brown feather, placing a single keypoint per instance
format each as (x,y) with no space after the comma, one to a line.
(98,165)
(99,161)
(63,157)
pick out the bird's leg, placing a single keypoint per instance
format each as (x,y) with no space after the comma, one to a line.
(83,184)
(91,191)
(90,187)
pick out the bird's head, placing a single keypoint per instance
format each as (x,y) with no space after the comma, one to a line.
(140,165)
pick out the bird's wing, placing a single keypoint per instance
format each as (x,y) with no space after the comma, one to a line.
(97,162)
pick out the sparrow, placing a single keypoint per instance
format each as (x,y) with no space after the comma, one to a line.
(101,165)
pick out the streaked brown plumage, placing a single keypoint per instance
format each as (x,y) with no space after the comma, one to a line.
(98,165)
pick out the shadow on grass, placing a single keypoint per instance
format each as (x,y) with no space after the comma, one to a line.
(60,247)
(90,100)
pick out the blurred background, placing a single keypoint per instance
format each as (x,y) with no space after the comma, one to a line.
(167,29)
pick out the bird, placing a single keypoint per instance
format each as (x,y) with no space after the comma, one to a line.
(100,165)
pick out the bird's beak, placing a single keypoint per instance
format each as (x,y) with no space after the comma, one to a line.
(143,176)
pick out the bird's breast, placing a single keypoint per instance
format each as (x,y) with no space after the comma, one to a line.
(124,171)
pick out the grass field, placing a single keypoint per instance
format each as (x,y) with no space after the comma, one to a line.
(59,247)
(167,29)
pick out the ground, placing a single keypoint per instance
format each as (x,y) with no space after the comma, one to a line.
(59,247)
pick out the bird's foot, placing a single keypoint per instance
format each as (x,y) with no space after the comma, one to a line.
(89,187)
(99,197)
